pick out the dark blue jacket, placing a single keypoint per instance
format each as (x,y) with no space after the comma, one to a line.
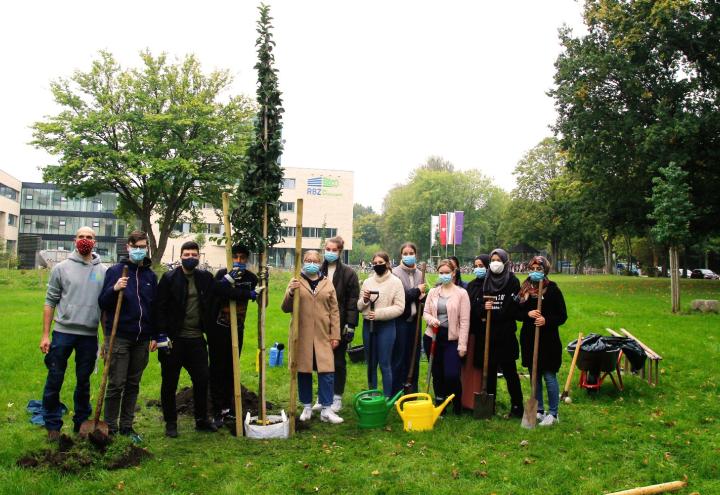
(136,317)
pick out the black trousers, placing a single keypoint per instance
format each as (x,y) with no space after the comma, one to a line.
(509,370)
(445,368)
(222,390)
(340,354)
(192,355)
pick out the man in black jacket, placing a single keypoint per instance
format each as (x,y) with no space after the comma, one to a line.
(182,312)
(347,289)
(240,286)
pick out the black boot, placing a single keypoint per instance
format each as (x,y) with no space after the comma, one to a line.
(171,430)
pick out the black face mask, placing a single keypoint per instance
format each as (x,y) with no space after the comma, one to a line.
(380,269)
(190,263)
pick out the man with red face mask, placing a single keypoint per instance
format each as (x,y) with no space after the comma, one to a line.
(71,300)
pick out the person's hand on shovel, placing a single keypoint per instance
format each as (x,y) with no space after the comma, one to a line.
(539,318)
(120,284)
(489,304)
(294,284)
(370,315)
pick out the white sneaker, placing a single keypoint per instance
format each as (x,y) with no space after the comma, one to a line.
(337,404)
(306,414)
(328,416)
(317,406)
(541,416)
(549,420)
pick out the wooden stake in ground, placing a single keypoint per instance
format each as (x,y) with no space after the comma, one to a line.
(672,486)
(292,341)
(529,419)
(262,412)
(233,322)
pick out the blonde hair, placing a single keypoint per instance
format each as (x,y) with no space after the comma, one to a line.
(447,263)
(312,252)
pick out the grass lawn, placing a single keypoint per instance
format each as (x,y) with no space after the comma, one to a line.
(605,443)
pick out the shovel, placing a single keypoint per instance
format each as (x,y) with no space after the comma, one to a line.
(432,357)
(372,355)
(529,419)
(408,386)
(94,428)
(565,396)
(484,402)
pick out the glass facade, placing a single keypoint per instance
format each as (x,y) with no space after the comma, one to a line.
(47,211)
(310,232)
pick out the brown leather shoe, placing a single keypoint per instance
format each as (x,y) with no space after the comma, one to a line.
(53,435)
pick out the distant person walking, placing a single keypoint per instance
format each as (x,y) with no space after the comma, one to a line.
(382,299)
(71,301)
(318,335)
(406,324)
(549,320)
(135,326)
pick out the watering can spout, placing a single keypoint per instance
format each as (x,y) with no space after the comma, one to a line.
(439,409)
(390,402)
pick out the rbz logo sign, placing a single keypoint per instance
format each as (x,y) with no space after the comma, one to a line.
(322,186)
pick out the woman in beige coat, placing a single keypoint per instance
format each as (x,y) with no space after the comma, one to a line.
(318,335)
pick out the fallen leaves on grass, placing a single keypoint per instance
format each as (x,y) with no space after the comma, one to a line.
(455,473)
(527,460)
(524,443)
(481,474)
(375,473)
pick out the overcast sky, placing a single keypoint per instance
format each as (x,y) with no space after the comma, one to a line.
(372,87)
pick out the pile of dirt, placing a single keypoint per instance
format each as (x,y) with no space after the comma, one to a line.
(185,402)
(71,457)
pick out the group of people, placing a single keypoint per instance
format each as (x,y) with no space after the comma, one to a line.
(392,300)
(185,317)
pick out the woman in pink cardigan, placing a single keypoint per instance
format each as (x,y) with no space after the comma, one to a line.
(447,307)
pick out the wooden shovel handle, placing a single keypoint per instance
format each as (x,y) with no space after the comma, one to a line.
(108,355)
(537,342)
(486,354)
(572,365)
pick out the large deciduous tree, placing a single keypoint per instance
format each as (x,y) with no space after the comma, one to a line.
(261,181)
(162,136)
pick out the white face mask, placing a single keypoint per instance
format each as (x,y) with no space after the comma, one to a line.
(497,266)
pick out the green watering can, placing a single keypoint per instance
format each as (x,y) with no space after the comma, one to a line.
(372,407)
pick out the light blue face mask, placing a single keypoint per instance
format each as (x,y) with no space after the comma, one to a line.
(537,276)
(331,257)
(137,254)
(409,260)
(445,278)
(311,268)
(480,272)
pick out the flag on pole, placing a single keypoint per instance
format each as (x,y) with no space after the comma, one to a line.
(434,230)
(443,229)
(450,228)
(459,225)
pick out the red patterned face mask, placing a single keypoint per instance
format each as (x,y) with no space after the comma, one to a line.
(84,246)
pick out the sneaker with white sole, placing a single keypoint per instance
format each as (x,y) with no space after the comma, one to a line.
(540,416)
(306,414)
(328,416)
(337,404)
(317,406)
(549,420)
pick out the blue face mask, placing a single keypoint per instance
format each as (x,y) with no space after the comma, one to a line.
(409,260)
(137,254)
(480,272)
(311,268)
(331,257)
(445,278)
(537,276)
(239,266)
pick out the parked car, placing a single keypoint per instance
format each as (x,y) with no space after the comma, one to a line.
(704,273)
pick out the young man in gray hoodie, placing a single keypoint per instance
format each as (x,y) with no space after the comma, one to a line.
(71,299)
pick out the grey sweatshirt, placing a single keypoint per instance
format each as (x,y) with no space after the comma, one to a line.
(73,291)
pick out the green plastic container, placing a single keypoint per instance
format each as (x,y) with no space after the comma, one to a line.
(372,407)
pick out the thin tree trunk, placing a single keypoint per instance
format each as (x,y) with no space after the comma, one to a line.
(607,254)
(674,279)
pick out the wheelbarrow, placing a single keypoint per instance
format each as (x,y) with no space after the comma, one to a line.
(596,363)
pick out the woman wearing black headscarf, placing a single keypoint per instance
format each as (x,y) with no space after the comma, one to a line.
(471,373)
(502,283)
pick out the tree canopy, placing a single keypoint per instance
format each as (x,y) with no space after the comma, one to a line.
(163,136)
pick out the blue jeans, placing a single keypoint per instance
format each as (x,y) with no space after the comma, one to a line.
(553,390)
(61,347)
(378,350)
(325,388)
(402,354)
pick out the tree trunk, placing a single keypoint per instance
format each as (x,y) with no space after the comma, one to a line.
(555,253)
(607,253)
(674,279)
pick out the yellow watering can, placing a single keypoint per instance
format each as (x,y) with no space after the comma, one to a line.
(419,414)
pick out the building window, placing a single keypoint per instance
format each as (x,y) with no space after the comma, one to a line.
(27,221)
(288,183)
(12,219)
(287,231)
(287,206)
(8,192)
(213,228)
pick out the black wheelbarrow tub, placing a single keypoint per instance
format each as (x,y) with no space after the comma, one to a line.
(356,353)
(598,361)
